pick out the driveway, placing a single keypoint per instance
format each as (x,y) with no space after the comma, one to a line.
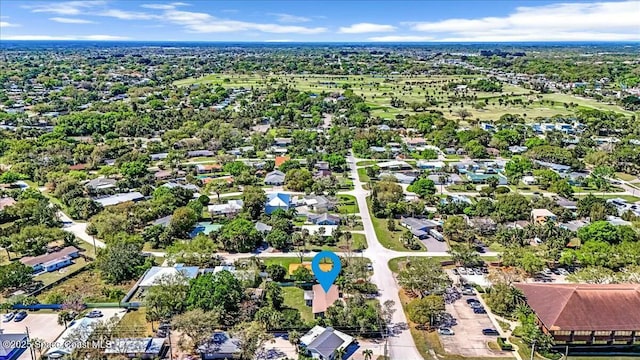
(468,339)
(434,245)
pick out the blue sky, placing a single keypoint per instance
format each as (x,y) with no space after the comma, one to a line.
(321,21)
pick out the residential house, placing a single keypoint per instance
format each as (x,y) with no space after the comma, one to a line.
(200,153)
(319,203)
(448,179)
(155,274)
(555,167)
(321,300)
(282,142)
(587,316)
(101,183)
(324,219)
(232,207)
(398,177)
(420,228)
(277,201)
(485,225)
(567,204)
(162,174)
(322,230)
(119,198)
(263,228)
(322,165)
(53,260)
(220,346)
(617,221)
(322,343)
(208,168)
(541,216)
(430,165)
(394,165)
(281,160)
(138,348)
(163,221)
(191,187)
(516,149)
(275,178)
(6,202)
(159,156)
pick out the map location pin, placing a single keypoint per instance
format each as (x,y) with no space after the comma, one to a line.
(326,278)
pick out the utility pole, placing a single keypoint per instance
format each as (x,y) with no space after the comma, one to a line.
(170,346)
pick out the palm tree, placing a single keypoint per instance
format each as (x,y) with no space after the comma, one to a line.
(368,354)
(294,339)
(340,353)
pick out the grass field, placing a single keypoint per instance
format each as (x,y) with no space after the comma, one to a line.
(388,239)
(626,177)
(629,198)
(362,175)
(89,285)
(377,92)
(347,204)
(365,163)
(294,299)
(136,319)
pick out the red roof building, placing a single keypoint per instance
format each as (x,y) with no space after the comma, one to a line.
(586,314)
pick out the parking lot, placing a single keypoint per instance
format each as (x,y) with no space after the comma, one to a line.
(41,326)
(468,339)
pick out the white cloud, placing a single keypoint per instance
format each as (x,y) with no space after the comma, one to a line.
(127,15)
(64,37)
(71,20)
(204,23)
(362,28)
(557,22)
(288,18)
(6,24)
(65,7)
(163,6)
(401,38)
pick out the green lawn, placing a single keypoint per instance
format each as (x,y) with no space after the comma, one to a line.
(629,198)
(51,277)
(137,319)
(365,163)
(294,299)
(388,239)
(284,261)
(362,175)
(397,264)
(626,177)
(347,204)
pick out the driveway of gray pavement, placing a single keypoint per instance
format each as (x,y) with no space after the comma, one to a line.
(434,245)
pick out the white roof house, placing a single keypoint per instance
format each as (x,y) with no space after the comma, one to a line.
(154,275)
(231,207)
(394,164)
(120,198)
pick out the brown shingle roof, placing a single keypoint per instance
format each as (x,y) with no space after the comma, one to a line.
(322,300)
(585,306)
(35,260)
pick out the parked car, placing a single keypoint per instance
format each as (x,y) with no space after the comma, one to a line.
(468,291)
(479,310)
(472,300)
(475,305)
(490,332)
(8,317)
(446,331)
(94,314)
(20,316)
(462,271)
(455,272)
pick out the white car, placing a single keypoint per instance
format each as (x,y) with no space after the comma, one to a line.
(446,331)
(8,317)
